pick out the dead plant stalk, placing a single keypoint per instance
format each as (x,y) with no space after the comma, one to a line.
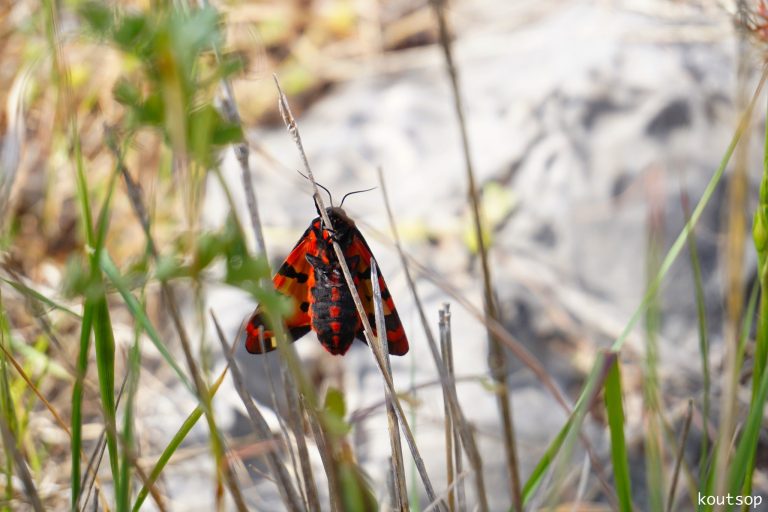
(496,356)
(290,124)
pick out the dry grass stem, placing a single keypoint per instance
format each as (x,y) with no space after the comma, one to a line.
(679,457)
(280,420)
(496,356)
(242,152)
(31,385)
(11,146)
(449,431)
(446,347)
(290,123)
(9,442)
(296,419)
(329,462)
(398,468)
(285,486)
(467,440)
(203,393)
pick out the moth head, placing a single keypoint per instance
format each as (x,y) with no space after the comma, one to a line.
(339,217)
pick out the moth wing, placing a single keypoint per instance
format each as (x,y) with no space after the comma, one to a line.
(294,279)
(397,341)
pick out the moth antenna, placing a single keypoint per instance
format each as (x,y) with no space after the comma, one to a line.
(355,192)
(330,197)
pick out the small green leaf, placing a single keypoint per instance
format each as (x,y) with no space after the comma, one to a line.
(133,34)
(226,133)
(190,35)
(334,411)
(209,246)
(76,277)
(152,111)
(98,16)
(334,403)
(169,267)
(126,93)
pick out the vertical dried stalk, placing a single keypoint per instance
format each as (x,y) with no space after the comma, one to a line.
(449,432)
(242,152)
(282,479)
(446,346)
(296,418)
(201,388)
(468,441)
(398,468)
(290,124)
(496,356)
(523,355)
(680,453)
(734,266)
(329,463)
(11,147)
(281,420)
(9,442)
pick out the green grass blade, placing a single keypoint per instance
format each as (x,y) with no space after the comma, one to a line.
(104,341)
(169,450)
(82,192)
(134,369)
(38,358)
(569,432)
(104,345)
(677,246)
(701,315)
(540,471)
(138,313)
(35,295)
(615,410)
(85,328)
(760,238)
(747,445)
(77,400)
(7,409)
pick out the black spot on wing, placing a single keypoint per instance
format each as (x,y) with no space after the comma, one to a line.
(304,306)
(287,270)
(391,322)
(298,332)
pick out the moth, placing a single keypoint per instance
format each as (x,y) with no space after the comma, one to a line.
(311,275)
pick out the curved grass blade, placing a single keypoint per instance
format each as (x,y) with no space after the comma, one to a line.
(34,294)
(176,441)
(138,313)
(615,409)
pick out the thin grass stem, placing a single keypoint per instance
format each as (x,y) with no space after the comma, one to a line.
(446,340)
(9,442)
(398,466)
(473,454)
(281,423)
(449,430)
(497,360)
(680,456)
(288,493)
(290,123)
(326,456)
(296,418)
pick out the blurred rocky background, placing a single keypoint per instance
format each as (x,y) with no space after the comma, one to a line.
(595,127)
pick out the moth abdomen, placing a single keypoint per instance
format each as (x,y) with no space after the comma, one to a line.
(333,313)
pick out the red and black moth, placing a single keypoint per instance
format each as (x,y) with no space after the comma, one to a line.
(312,276)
